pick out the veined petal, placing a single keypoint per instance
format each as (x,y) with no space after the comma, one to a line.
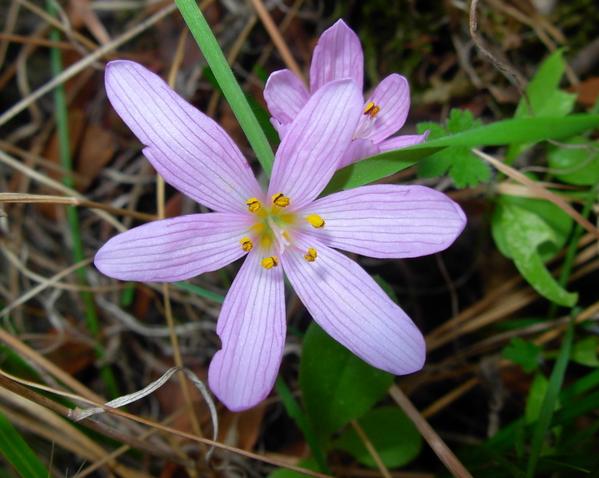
(358,149)
(402,141)
(252,328)
(315,142)
(337,55)
(346,302)
(187,148)
(174,249)
(392,96)
(285,95)
(388,221)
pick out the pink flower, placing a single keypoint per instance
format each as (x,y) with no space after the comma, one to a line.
(338,55)
(284,230)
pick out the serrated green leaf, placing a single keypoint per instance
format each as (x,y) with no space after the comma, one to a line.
(536,395)
(505,132)
(584,351)
(524,353)
(17,452)
(461,120)
(522,233)
(392,434)
(336,385)
(464,168)
(578,164)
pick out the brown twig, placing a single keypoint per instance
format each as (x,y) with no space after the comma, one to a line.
(442,451)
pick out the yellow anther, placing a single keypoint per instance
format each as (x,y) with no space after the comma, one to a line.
(270,262)
(371,109)
(280,200)
(253,204)
(315,220)
(246,244)
(311,254)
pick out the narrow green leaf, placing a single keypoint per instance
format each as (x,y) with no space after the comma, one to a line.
(200,291)
(309,464)
(17,452)
(392,434)
(512,131)
(555,384)
(230,87)
(92,320)
(536,396)
(336,385)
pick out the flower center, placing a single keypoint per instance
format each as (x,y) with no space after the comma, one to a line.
(274,227)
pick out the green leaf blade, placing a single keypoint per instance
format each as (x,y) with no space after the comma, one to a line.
(18,453)
(337,386)
(224,76)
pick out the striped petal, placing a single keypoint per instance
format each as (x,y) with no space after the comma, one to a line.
(402,141)
(388,221)
(337,55)
(358,149)
(187,148)
(174,249)
(285,96)
(251,327)
(392,96)
(315,142)
(346,302)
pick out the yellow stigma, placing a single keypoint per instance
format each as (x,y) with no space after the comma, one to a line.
(270,262)
(371,109)
(280,200)
(246,244)
(311,254)
(315,220)
(253,204)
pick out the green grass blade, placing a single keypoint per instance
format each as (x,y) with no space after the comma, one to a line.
(512,131)
(18,453)
(200,291)
(224,76)
(547,409)
(62,127)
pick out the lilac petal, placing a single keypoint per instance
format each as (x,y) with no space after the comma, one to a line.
(315,142)
(354,310)
(174,249)
(285,95)
(392,96)
(402,141)
(251,327)
(187,148)
(358,149)
(337,55)
(388,221)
